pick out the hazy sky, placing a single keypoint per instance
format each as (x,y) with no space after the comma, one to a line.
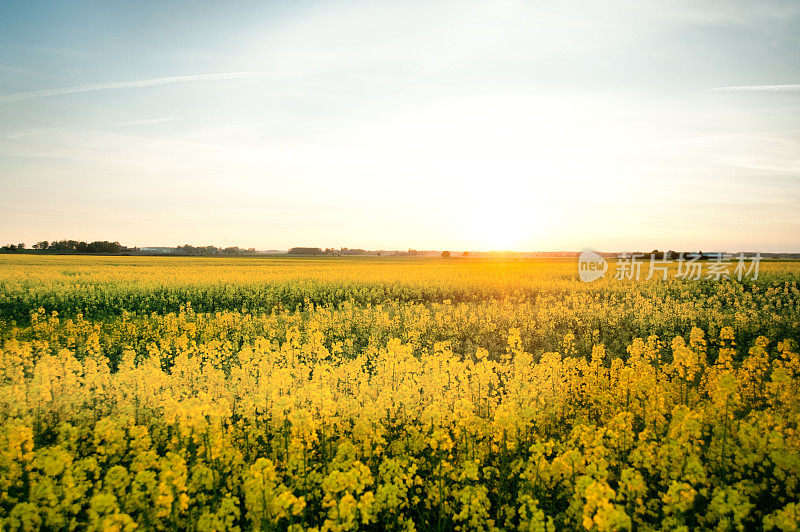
(617,125)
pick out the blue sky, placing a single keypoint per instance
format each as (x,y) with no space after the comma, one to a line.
(465,125)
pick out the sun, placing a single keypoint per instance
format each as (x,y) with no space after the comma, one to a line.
(507,226)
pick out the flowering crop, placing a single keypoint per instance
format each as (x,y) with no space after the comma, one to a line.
(270,394)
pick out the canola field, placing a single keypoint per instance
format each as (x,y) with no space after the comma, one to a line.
(394,394)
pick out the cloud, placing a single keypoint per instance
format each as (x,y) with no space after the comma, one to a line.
(153,82)
(144,122)
(769,88)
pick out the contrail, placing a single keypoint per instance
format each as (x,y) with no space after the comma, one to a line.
(771,88)
(131,84)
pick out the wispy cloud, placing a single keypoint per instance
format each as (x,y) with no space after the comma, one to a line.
(153,82)
(769,88)
(144,122)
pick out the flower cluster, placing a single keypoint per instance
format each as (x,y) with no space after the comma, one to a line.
(410,415)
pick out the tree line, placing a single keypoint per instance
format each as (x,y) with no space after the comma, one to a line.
(186,249)
(104,246)
(65,246)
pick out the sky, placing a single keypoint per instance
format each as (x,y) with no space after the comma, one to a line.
(527,125)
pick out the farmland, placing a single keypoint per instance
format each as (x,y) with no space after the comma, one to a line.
(394,393)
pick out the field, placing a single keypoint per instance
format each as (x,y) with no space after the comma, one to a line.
(392,393)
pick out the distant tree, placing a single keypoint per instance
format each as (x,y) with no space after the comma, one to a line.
(198,250)
(21,245)
(41,245)
(305,251)
(445,254)
(100,246)
(67,245)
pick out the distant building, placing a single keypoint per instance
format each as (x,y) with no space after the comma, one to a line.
(158,250)
(348,251)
